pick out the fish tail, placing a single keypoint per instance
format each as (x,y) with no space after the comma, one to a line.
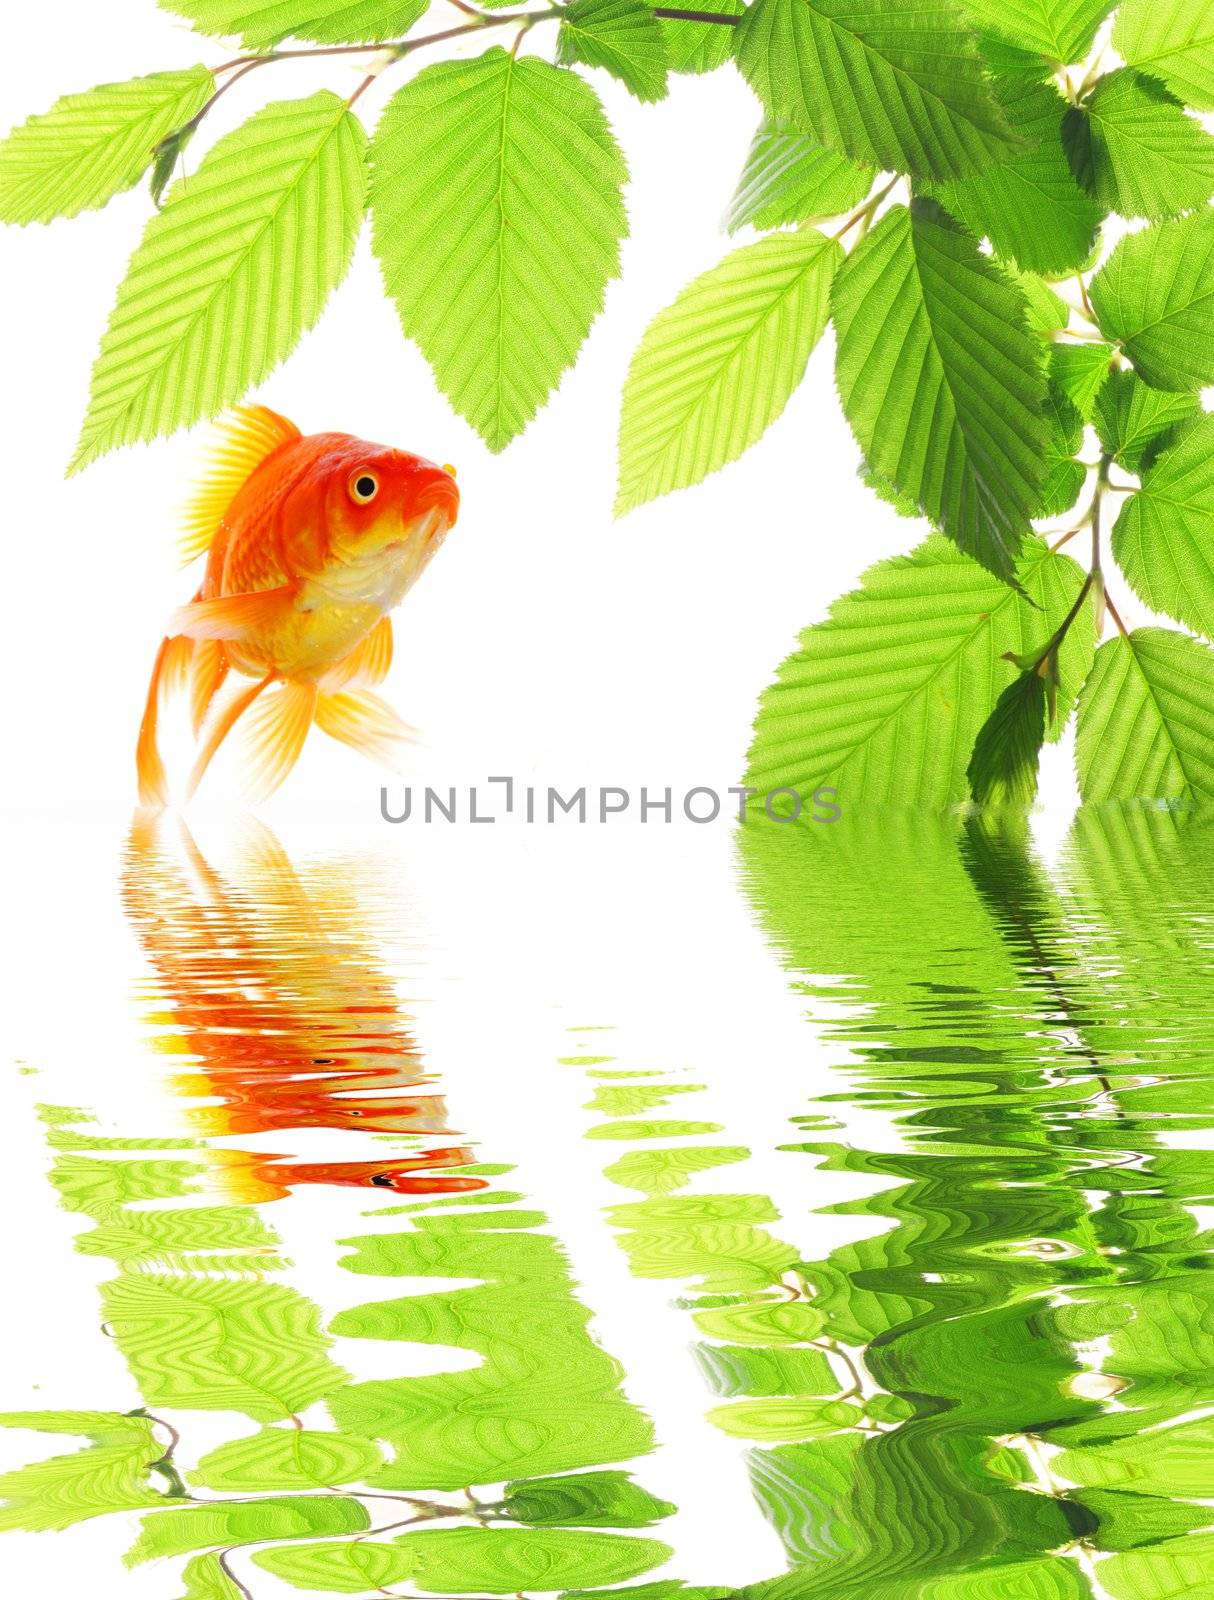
(221,726)
(365,722)
(207,673)
(169,673)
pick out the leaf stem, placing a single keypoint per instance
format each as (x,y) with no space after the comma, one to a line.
(392,52)
(866,210)
(1113,612)
(222,1558)
(1065,626)
(1094,579)
(187,128)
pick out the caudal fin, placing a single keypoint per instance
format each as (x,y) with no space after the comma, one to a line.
(207,673)
(169,673)
(221,725)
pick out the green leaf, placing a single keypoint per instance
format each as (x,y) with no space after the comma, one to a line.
(942,381)
(1172,40)
(784,1419)
(732,1370)
(665,1589)
(788,178)
(710,1238)
(203,313)
(540,1395)
(1080,372)
(497,211)
(288,1458)
(1002,771)
(205,1579)
(663,1171)
(202,1527)
(885,699)
(1064,475)
(1146,720)
(804,1492)
(111,1475)
(1169,1461)
(701,46)
(220,1344)
(1128,1519)
(631,1099)
(1045,311)
(89,147)
(716,368)
(351,1568)
(164,164)
(503,1561)
(623,36)
(1155,297)
(1137,151)
(1060,30)
(260,24)
(895,85)
(889,492)
(667,1128)
(764,1326)
(1164,537)
(1029,206)
(1134,421)
(1180,1569)
(586,1500)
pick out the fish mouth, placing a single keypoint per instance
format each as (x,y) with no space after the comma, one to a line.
(423,528)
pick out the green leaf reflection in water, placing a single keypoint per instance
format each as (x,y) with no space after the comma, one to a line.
(271,980)
(1037,1302)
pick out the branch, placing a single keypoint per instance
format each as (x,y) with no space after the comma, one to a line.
(397,47)
(391,53)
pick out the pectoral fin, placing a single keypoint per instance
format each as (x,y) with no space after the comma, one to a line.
(233,616)
(367,723)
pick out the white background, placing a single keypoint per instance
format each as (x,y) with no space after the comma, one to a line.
(547,641)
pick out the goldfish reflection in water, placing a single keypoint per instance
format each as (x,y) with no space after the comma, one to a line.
(291,1022)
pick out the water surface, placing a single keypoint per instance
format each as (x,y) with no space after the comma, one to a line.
(917,1308)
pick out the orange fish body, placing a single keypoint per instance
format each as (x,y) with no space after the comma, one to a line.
(310,543)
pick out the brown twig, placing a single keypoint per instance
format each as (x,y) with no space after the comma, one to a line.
(222,1558)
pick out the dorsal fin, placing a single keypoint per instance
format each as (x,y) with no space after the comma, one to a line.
(244,437)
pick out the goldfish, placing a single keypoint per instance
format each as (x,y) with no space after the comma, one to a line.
(272,998)
(310,541)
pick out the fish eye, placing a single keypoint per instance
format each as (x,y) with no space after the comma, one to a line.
(364,486)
